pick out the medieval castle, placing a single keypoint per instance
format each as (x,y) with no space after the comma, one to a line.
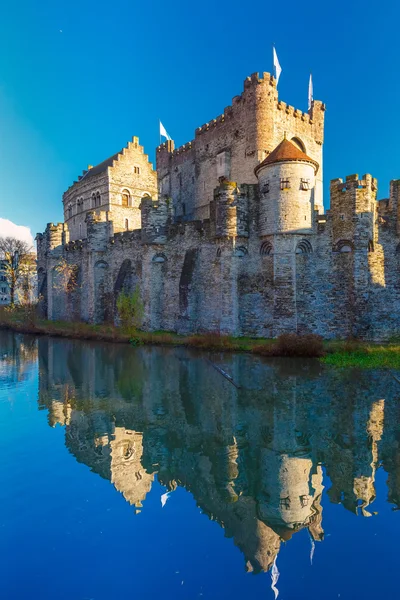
(229,233)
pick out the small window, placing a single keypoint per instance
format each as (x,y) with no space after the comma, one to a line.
(126,224)
(93,200)
(284,502)
(342,217)
(80,229)
(265,188)
(285,184)
(303,501)
(98,200)
(305,184)
(125,198)
(136,170)
(183,209)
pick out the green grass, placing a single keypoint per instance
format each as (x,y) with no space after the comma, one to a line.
(367,356)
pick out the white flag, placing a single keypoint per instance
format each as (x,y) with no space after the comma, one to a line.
(310,92)
(278,69)
(163,131)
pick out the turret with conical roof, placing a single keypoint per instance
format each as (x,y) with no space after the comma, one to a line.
(287,181)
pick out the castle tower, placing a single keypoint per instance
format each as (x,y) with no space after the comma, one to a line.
(287,180)
(232,145)
(287,183)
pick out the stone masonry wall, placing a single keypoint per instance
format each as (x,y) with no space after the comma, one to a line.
(101,188)
(235,142)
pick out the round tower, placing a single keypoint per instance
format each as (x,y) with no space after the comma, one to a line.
(286,178)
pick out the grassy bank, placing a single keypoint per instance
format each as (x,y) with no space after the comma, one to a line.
(339,354)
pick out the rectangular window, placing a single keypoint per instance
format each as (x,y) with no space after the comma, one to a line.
(285,184)
(284,502)
(265,188)
(224,164)
(305,184)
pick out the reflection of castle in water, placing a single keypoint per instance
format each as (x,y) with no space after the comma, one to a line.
(250,457)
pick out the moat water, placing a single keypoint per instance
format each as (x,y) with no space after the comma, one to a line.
(143,473)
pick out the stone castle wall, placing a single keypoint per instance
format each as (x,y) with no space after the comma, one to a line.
(338,278)
(117,186)
(234,143)
(227,237)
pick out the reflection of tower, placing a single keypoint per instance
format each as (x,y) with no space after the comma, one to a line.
(291,484)
(353,456)
(292,494)
(127,473)
(363,487)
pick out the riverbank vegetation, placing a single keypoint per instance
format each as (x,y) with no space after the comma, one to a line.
(342,354)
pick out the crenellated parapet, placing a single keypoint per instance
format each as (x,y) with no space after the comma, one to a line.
(229,210)
(156,215)
(353,210)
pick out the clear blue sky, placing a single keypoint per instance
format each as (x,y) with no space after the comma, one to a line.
(78,79)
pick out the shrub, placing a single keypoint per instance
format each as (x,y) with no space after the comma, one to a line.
(130,309)
(211,341)
(291,344)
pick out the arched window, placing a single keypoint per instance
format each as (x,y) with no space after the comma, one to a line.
(297,142)
(240,251)
(93,200)
(98,200)
(69,211)
(159,258)
(80,230)
(344,246)
(125,197)
(219,253)
(266,248)
(304,247)
(126,224)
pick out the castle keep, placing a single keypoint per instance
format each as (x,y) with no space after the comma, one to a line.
(229,233)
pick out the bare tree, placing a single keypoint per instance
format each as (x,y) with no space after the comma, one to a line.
(16,258)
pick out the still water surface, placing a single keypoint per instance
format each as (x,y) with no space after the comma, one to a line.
(143,473)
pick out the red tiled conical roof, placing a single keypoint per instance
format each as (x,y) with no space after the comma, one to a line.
(285,151)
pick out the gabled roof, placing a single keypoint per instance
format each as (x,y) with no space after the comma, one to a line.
(103,166)
(285,151)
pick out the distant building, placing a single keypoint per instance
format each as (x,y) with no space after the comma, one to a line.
(26,289)
(4,286)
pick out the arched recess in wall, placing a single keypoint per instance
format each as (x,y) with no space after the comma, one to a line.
(101,296)
(123,282)
(42,292)
(219,252)
(188,297)
(74,286)
(240,251)
(159,268)
(344,246)
(298,142)
(266,248)
(304,247)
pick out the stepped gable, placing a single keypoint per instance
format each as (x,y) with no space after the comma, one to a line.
(286,151)
(103,166)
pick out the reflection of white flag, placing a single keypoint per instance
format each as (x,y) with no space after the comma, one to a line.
(164,498)
(310,92)
(163,131)
(277,66)
(274,579)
